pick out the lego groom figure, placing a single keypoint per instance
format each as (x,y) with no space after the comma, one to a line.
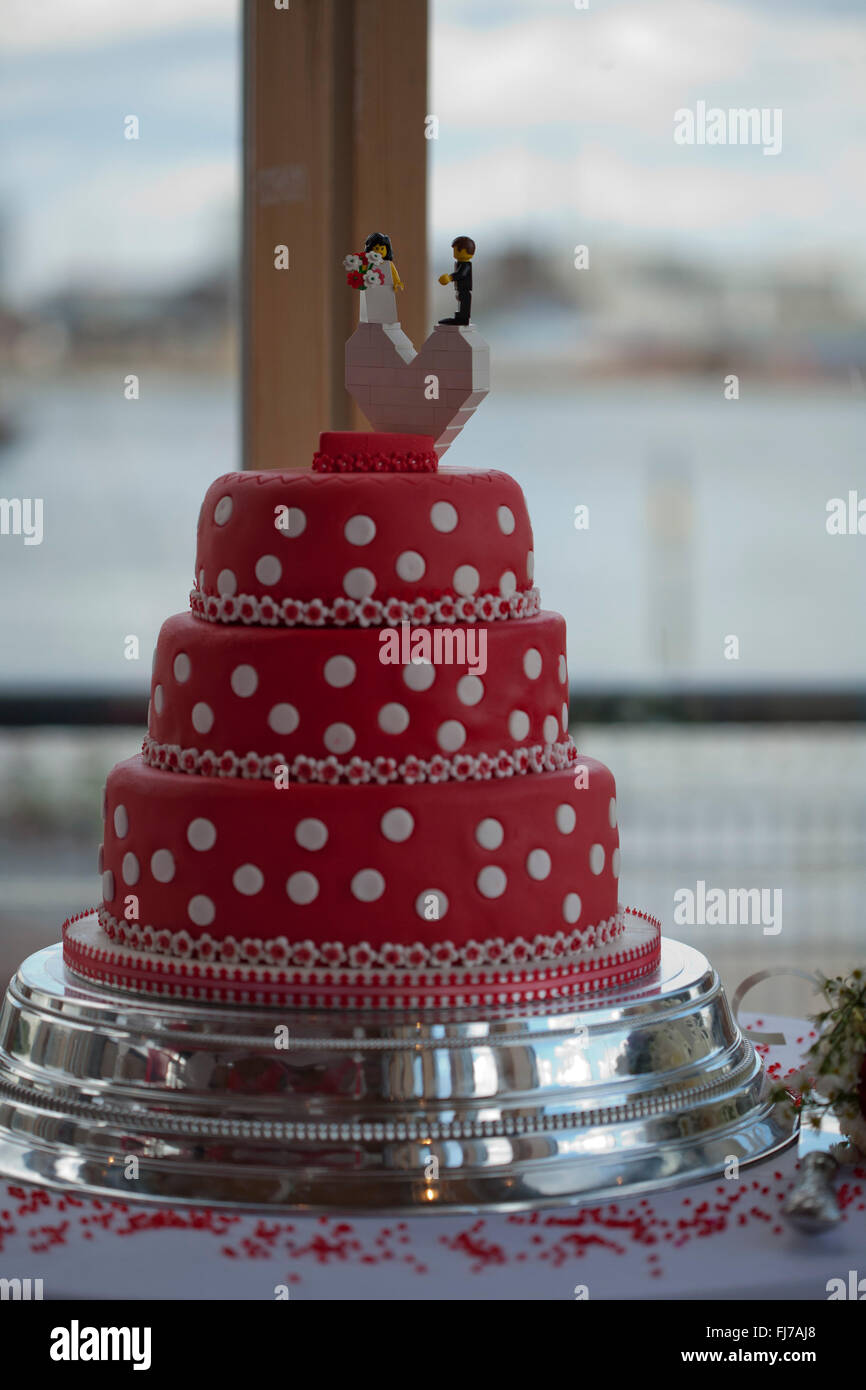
(461,278)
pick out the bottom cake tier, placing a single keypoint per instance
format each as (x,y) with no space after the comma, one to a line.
(497,879)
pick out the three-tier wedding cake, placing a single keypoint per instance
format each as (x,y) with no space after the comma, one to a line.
(358,786)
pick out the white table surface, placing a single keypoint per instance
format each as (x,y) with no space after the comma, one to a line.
(719,1239)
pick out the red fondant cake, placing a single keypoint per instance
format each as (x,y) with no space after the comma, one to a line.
(357,784)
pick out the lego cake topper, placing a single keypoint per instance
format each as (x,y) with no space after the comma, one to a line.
(461,278)
(431,393)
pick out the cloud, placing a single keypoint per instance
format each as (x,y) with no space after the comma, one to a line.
(56,24)
(567,123)
(629,65)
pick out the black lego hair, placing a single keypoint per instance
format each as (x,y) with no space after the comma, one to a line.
(379,239)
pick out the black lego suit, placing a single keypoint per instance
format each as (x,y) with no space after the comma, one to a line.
(462,282)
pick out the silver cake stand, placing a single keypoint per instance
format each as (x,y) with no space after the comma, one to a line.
(263,1110)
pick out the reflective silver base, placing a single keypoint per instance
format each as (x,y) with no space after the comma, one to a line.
(110,1094)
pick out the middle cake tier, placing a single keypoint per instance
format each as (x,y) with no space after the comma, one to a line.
(349,703)
(465,863)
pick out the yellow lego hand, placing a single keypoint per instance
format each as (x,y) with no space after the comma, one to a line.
(444,279)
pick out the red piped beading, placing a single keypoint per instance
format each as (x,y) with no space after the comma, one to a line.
(357,451)
(375,463)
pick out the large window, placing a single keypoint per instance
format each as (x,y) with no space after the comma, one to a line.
(670,271)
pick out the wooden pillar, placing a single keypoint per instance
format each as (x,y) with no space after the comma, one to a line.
(335,96)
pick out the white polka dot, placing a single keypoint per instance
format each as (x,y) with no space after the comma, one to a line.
(596,859)
(284,719)
(311,834)
(443,516)
(182,668)
(222,511)
(393,719)
(571,906)
(550,729)
(291,523)
(340,671)
(201,833)
(162,865)
(451,735)
(121,822)
(359,583)
(227,584)
(566,818)
(470,690)
(611,813)
(538,864)
(397,824)
(507,583)
(530,564)
(248,879)
(532,663)
(565,718)
(466,580)
(563,671)
(489,833)
(359,530)
(505,517)
(410,566)
(439,904)
(302,888)
(339,738)
(419,675)
(202,718)
(108,885)
(367,885)
(268,569)
(158,699)
(245,681)
(518,724)
(130,869)
(201,910)
(201,579)
(491,881)
(100,859)
(614,863)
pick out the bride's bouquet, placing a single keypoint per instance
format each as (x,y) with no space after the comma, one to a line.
(363,270)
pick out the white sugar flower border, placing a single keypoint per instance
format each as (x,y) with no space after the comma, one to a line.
(251,609)
(461,767)
(278,952)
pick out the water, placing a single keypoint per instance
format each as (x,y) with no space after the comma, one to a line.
(706,522)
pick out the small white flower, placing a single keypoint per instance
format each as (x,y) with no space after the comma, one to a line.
(375,258)
(374,277)
(352,262)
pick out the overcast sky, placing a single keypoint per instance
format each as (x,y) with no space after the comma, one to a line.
(556,124)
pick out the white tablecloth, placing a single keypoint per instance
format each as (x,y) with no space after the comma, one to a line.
(719,1239)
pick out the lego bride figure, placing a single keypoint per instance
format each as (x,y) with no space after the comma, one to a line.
(379,302)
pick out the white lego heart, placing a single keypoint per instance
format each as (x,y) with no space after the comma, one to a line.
(433,392)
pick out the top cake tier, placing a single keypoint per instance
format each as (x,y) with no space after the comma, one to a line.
(355,543)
